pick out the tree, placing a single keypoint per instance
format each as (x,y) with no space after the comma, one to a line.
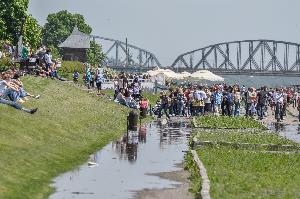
(12,14)
(60,25)
(95,55)
(32,32)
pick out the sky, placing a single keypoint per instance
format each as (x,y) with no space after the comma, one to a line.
(169,28)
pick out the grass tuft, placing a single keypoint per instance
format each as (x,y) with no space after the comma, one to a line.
(227,122)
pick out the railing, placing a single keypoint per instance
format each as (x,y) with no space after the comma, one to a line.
(146,84)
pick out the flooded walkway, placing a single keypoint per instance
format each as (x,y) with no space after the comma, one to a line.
(289,131)
(127,167)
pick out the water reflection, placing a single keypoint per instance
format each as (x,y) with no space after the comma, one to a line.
(289,131)
(142,134)
(127,146)
(124,166)
(298,129)
(279,126)
(172,132)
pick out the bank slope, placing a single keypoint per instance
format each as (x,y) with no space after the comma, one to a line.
(69,125)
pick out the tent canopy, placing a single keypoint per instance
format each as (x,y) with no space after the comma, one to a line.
(206,75)
(167,73)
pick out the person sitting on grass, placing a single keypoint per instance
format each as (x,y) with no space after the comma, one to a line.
(3,93)
(11,89)
(120,98)
(75,76)
(131,103)
(23,94)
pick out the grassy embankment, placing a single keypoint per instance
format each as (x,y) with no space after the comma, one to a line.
(69,125)
(243,173)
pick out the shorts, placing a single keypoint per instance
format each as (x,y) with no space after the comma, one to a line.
(99,85)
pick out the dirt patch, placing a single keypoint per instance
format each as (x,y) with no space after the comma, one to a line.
(180,192)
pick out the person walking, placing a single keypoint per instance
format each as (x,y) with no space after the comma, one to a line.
(164,101)
(218,95)
(262,100)
(180,103)
(99,80)
(236,101)
(279,98)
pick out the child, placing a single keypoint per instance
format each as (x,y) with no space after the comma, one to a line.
(143,107)
(75,76)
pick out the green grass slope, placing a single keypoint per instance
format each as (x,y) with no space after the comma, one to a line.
(69,125)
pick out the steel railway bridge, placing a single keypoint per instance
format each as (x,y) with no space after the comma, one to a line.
(261,57)
(242,57)
(123,55)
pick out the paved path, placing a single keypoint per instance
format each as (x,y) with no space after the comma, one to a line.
(290,118)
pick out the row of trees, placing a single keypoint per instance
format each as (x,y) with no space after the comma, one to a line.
(13,13)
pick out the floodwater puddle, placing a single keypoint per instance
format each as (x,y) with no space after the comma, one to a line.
(289,131)
(128,165)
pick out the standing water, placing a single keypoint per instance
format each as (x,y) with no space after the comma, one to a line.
(126,166)
(289,131)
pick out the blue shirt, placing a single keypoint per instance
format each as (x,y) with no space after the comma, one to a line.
(218,97)
(99,78)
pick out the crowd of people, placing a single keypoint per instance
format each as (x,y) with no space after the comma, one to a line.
(222,99)
(130,94)
(13,93)
(91,75)
(40,63)
(188,100)
(125,93)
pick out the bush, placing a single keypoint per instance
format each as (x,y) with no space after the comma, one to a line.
(5,64)
(68,67)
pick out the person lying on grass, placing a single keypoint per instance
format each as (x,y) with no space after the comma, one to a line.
(3,94)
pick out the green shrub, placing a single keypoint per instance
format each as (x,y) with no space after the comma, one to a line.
(5,64)
(68,67)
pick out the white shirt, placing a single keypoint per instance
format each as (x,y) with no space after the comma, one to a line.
(48,58)
(278,97)
(200,95)
(2,87)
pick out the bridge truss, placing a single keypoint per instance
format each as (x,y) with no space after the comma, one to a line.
(120,54)
(243,56)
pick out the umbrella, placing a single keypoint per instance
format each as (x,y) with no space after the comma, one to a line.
(206,75)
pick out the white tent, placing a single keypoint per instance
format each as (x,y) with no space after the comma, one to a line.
(155,72)
(206,75)
(167,73)
(185,74)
